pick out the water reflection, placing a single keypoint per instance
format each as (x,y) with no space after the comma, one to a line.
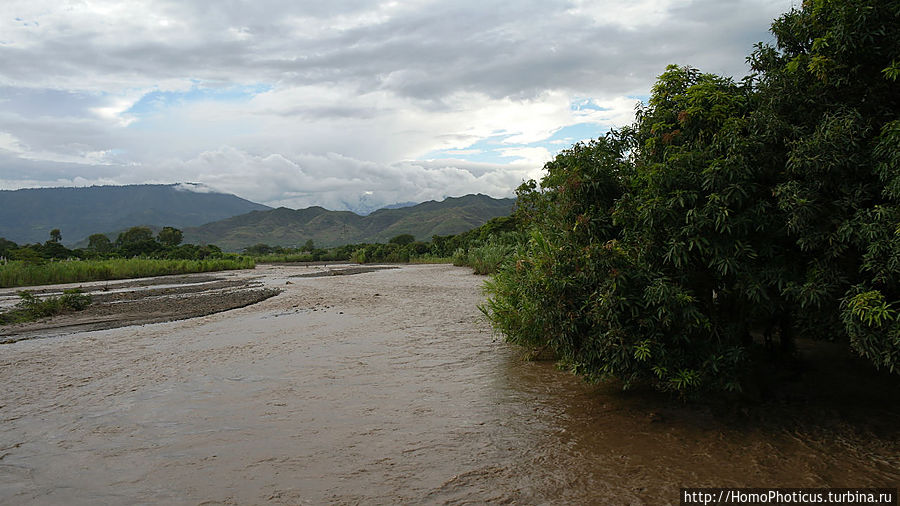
(837,424)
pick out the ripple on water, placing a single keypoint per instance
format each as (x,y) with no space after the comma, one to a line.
(404,398)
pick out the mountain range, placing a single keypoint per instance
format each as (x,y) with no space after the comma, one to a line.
(28,215)
(292,228)
(232,223)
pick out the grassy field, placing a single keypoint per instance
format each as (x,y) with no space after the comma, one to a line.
(76,271)
(308,257)
(430,259)
(280,258)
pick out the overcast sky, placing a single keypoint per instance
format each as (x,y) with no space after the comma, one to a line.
(306,102)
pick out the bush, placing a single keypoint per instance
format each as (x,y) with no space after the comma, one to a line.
(359,256)
(30,307)
(460,258)
(487,258)
(728,215)
(402,239)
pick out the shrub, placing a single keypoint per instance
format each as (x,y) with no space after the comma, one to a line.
(402,239)
(729,214)
(30,307)
(487,258)
(460,257)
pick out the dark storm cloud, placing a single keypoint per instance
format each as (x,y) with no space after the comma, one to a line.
(498,48)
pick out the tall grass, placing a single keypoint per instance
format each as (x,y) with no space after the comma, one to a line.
(460,257)
(279,258)
(430,259)
(76,271)
(485,259)
(358,256)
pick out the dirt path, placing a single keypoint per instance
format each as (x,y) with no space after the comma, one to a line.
(383,387)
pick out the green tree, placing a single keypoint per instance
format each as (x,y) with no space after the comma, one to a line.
(644,259)
(6,246)
(539,299)
(137,241)
(135,235)
(727,210)
(27,254)
(55,235)
(829,111)
(258,249)
(402,239)
(170,237)
(53,250)
(99,243)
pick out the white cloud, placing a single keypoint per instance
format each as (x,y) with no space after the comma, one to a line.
(533,156)
(9,142)
(194,188)
(71,153)
(335,181)
(631,15)
(302,103)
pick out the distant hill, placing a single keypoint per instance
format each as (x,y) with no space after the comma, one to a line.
(398,205)
(28,215)
(292,228)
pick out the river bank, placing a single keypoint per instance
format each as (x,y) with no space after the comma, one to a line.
(140,301)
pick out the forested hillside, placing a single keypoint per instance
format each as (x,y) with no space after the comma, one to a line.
(28,215)
(293,228)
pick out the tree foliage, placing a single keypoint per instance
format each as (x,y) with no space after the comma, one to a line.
(402,239)
(137,241)
(831,109)
(729,214)
(6,246)
(169,237)
(99,243)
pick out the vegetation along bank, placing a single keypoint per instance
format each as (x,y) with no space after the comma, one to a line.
(694,247)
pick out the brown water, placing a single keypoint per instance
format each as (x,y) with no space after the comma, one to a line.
(388,387)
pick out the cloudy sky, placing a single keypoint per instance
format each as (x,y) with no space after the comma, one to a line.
(345,104)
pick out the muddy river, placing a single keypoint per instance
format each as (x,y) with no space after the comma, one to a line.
(388,387)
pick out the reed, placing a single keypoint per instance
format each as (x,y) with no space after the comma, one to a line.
(76,271)
(430,259)
(278,258)
(485,259)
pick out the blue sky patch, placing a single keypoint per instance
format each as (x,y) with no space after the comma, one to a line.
(586,104)
(642,98)
(491,149)
(157,100)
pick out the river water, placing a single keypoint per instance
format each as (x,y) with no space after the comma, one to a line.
(388,387)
